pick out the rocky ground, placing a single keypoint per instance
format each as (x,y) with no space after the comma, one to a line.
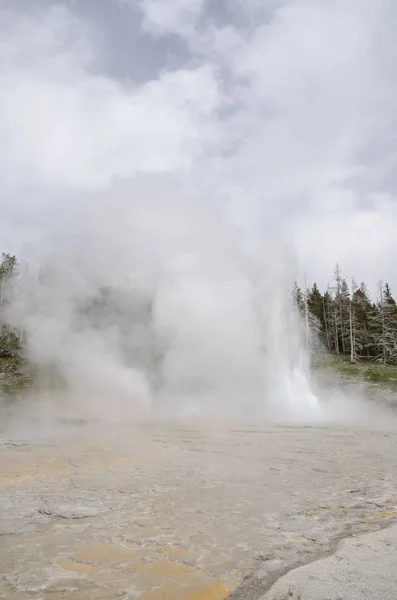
(170,512)
(362,567)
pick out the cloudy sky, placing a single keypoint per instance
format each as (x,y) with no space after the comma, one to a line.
(281,114)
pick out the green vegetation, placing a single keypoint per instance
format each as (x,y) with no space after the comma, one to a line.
(374,373)
(345,321)
(359,336)
(15,372)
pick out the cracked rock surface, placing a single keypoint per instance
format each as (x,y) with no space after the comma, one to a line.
(167,512)
(362,567)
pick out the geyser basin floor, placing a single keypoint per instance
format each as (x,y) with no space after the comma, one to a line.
(171,513)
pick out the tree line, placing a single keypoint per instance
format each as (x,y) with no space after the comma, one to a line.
(343,319)
(346,321)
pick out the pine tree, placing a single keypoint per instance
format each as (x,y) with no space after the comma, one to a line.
(338,319)
(344,316)
(297,297)
(354,327)
(390,324)
(328,319)
(388,298)
(312,324)
(363,312)
(315,302)
(8,274)
(384,326)
(315,317)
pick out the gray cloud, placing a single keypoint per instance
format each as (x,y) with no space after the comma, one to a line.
(288,108)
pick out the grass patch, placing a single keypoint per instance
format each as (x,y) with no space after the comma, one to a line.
(364,370)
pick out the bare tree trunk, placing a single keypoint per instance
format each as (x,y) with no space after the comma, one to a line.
(382,314)
(326,326)
(336,334)
(339,305)
(3,282)
(306,317)
(352,353)
(351,319)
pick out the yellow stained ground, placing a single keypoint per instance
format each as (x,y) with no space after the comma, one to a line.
(165,579)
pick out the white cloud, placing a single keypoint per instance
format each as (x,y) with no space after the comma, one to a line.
(277,120)
(363,239)
(314,96)
(63,126)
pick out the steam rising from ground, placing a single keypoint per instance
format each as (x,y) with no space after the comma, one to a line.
(174,319)
(163,206)
(170,316)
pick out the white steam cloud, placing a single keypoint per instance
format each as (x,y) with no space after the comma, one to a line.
(195,195)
